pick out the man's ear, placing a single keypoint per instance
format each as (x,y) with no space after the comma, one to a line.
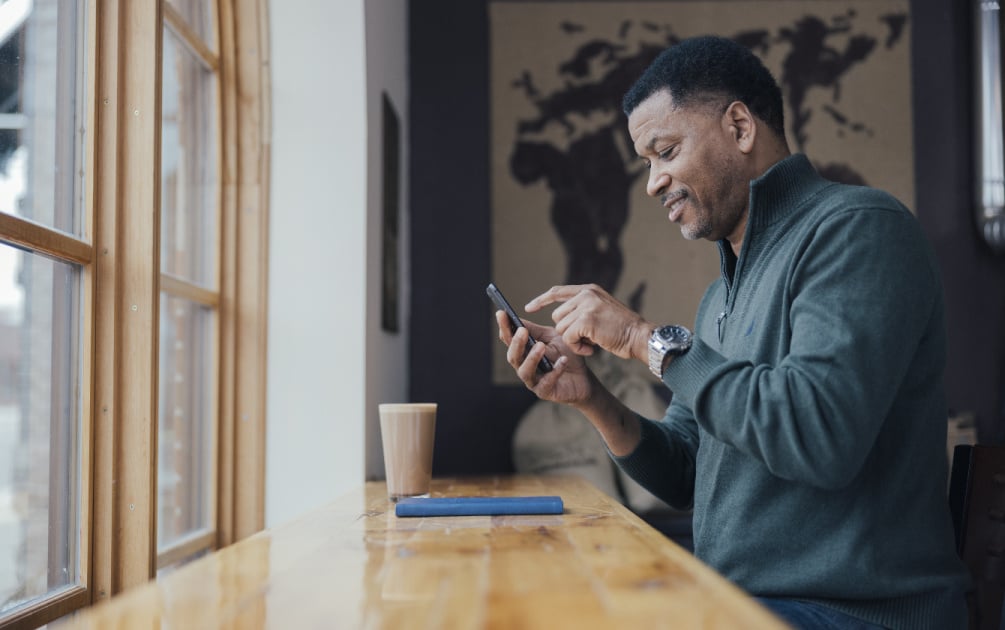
(741,126)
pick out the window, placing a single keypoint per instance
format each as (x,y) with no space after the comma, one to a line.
(131,302)
(189,316)
(39,427)
(41,319)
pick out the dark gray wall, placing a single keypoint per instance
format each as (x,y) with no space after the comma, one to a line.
(452,328)
(973,277)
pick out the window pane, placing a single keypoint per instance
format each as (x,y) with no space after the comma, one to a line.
(199,15)
(185,430)
(39,426)
(40,126)
(189,185)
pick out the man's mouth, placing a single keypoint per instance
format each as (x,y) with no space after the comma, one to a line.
(675,204)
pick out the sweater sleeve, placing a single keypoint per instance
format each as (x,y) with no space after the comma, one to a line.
(664,460)
(862,290)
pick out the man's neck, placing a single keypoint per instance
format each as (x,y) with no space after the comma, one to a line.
(736,238)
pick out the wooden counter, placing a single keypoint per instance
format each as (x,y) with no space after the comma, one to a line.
(353,564)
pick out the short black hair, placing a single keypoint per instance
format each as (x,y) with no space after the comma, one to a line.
(703,68)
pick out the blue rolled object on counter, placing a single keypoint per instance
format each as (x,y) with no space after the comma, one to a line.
(478,506)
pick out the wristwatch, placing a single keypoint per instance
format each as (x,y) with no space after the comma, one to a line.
(672,340)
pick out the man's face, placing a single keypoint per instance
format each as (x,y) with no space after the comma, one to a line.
(695,166)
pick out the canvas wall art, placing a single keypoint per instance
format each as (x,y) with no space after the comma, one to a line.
(568,193)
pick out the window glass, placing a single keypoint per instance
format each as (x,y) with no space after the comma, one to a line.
(189,183)
(198,14)
(39,426)
(185,429)
(40,138)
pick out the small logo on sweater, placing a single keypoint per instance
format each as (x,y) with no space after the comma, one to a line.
(750,328)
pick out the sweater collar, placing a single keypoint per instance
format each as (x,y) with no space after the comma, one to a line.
(781,190)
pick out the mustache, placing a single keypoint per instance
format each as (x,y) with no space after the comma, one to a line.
(672,197)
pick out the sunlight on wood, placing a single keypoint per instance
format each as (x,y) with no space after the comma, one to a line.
(353,564)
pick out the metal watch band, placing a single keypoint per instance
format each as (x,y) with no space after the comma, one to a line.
(664,340)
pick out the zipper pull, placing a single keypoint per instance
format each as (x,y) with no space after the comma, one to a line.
(718,324)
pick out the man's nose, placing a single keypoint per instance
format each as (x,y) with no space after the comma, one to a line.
(658,183)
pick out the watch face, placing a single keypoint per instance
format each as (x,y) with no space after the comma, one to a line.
(672,340)
(674,334)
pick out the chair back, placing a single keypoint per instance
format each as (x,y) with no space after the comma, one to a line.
(977,502)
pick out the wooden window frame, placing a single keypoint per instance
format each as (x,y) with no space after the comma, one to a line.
(188,41)
(120,262)
(246,163)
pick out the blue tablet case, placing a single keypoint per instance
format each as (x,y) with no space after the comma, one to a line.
(478,506)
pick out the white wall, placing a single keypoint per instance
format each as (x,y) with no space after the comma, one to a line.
(387,353)
(317,255)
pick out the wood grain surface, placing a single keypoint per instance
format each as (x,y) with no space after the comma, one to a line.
(354,564)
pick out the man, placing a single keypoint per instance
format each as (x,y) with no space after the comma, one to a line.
(808,421)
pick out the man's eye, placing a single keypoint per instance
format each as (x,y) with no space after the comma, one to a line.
(664,155)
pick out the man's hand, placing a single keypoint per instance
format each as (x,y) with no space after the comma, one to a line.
(569,382)
(589,316)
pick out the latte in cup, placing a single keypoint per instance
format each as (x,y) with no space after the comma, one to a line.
(407,431)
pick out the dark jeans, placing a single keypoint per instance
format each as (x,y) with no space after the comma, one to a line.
(809,616)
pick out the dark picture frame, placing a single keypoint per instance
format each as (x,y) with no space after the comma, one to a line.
(390,225)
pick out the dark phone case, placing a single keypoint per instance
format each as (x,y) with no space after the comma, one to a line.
(544,365)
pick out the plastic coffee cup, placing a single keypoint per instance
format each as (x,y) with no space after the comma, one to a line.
(406,432)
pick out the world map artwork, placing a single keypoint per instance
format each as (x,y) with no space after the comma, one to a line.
(567,185)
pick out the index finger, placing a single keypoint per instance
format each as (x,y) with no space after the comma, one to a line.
(558,293)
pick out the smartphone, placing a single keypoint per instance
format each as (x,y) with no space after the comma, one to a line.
(544,365)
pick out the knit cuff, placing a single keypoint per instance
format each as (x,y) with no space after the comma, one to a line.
(688,373)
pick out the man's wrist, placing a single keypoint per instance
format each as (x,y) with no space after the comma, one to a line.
(640,346)
(617,424)
(667,341)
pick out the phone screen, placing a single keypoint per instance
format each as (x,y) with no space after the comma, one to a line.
(544,365)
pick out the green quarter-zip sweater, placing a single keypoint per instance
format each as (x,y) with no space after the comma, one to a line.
(808,422)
